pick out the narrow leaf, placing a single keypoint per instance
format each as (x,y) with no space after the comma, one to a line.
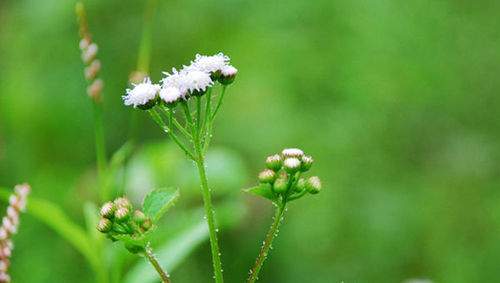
(158,201)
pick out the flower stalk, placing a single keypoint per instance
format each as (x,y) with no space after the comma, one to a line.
(267,244)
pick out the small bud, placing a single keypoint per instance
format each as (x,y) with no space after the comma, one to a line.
(104,225)
(307,162)
(107,210)
(89,53)
(147,224)
(291,165)
(228,74)
(123,202)
(122,214)
(292,152)
(94,90)
(92,70)
(139,217)
(4,277)
(274,162)
(313,185)
(301,185)
(267,176)
(280,185)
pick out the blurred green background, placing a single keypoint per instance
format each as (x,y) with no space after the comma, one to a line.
(397,102)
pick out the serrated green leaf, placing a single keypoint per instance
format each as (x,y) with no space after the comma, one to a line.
(158,201)
(263,190)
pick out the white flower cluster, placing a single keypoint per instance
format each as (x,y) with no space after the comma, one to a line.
(17,203)
(191,80)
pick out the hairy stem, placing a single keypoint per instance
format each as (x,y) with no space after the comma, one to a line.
(200,163)
(267,244)
(209,214)
(151,257)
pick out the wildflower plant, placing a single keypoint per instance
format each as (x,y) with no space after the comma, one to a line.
(189,89)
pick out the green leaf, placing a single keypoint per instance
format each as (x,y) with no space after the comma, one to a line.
(263,190)
(136,244)
(158,201)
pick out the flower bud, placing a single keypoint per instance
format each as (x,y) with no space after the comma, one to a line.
(123,202)
(292,152)
(107,210)
(139,217)
(313,185)
(291,165)
(280,185)
(267,176)
(274,162)
(301,185)
(147,224)
(122,214)
(228,74)
(307,162)
(104,225)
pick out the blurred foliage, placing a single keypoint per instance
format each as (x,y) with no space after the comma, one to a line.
(396,101)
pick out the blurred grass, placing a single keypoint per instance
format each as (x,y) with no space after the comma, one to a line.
(396,101)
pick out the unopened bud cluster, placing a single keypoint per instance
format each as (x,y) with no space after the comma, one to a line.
(190,81)
(10,223)
(118,218)
(283,174)
(89,51)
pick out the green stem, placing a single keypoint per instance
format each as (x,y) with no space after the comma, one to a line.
(150,256)
(100,145)
(267,244)
(209,214)
(169,113)
(156,117)
(212,231)
(198,114)
(207,111)
(220,101)
(211,118)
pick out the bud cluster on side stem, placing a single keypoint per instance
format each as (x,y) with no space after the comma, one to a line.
(284,172)
(281,182)
(10,223)
(118,218)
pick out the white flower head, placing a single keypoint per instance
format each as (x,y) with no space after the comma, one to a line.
(141,94)
(229,71)
(170,94)
(175,80)
(289,152)
(197,81)
(208,64)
